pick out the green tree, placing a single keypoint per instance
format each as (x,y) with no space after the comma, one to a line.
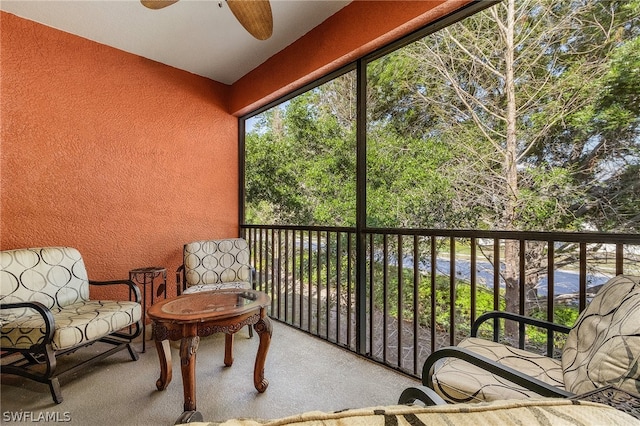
(300,159)
(535,103)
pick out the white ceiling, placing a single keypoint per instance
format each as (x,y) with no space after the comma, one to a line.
(199,36)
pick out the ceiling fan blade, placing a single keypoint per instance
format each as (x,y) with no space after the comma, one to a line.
(254,15)
(157,4)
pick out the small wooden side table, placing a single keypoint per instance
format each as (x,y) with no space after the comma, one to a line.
(142,277)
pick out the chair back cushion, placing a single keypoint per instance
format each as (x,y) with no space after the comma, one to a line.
(216,261)
(53,276)
(603,347)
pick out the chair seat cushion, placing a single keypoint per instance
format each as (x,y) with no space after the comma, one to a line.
(74,324)
(456,380)
(217,286)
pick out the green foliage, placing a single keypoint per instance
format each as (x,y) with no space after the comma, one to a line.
(566,315)
(272,185)
(300,161)
(484,301)
(546,197)
(621,84)
(404,181)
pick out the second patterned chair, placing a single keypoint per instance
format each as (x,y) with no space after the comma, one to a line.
(214,265)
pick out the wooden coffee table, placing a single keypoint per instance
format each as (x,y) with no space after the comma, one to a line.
(191,316)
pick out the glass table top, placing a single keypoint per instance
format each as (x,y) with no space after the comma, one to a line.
(209,304)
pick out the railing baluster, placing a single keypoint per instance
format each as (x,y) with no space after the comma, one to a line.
(328,283)
(385,294)
(286,275)
(278,270)
(416,301)
(400,296)
(582,291)
(452,291)
(496,286)
(318,285)
(301,306)
(338,260)
(293,275)
(310,282)
(550,292)
(432,320)
(263,270)
(474,279)
(371,295)
(619,259)
(349,289)
(259,263)
(522,292)
(254,253)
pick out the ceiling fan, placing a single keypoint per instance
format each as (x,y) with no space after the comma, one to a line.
(254,15)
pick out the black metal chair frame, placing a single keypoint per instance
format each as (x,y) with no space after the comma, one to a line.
(44,354)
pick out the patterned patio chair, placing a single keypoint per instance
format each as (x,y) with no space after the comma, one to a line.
(46,312)
(215,265)
(601,349)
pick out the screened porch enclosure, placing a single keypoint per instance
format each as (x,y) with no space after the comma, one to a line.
(489,161)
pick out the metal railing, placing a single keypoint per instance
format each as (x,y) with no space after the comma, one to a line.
(420,289)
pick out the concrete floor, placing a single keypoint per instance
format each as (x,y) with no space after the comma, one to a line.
(304,373)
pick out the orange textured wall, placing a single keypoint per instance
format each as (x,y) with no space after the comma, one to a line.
(359,28)
(121,157)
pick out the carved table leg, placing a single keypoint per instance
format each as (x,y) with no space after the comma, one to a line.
(264,329)
(164,353)
(228,349)
(188,349)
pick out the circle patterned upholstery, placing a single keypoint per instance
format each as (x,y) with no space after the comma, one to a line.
(217,262)
(53,276)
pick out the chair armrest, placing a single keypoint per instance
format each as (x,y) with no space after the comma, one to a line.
(46,314)
(522,321)
(181,280)
(518,318)
(420,393)
(508,373)
(132,287)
